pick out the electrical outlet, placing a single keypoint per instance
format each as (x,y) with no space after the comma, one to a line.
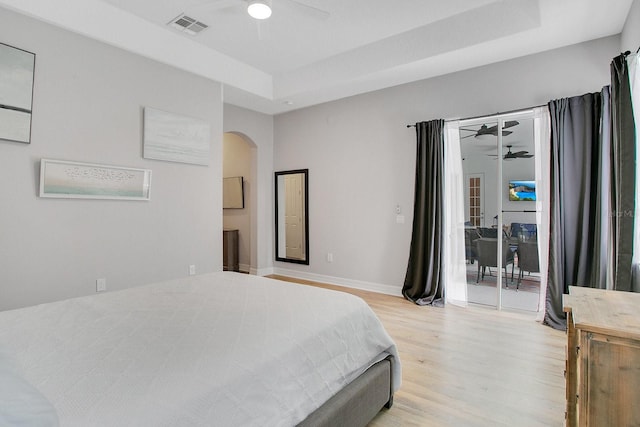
(101,285)
(192,270)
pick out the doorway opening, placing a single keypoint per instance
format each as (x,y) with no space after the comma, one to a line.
(503,237)
(240,223)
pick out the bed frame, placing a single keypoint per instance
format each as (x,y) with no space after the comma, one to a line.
(359,402)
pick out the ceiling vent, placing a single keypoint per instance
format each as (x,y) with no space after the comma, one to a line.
(187,24)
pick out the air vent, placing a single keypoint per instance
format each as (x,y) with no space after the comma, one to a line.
(187,24)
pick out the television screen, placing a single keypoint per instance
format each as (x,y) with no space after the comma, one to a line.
(522,191)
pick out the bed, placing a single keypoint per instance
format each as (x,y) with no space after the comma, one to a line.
(221,349)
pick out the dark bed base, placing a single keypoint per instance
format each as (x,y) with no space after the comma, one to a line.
(359,402)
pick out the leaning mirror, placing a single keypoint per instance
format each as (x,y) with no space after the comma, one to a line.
(291,212)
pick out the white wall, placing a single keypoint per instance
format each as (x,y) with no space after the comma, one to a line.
(88,101)
(361,156)
(237,161)
(630,39)
(258,129)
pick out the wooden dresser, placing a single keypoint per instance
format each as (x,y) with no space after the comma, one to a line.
(603,357)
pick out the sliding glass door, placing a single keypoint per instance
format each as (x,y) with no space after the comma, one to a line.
(501,230)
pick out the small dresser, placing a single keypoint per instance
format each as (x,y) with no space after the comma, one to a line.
(230,250)
(603,357)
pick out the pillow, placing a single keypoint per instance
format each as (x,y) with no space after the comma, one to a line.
(21,404)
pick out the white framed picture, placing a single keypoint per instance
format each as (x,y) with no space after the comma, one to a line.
(74,180)
(16,93)
(175,138)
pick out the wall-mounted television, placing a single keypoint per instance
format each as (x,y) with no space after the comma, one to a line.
(522,191)
(233,193)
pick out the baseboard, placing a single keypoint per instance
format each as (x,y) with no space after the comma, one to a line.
(340,281)
(244,268)
(261,271)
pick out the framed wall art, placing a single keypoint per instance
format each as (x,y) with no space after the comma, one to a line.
(63,179)
(16,93)
(175,138)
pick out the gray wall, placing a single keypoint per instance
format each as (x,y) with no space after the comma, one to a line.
(88,101)
(630,39)
(361,156)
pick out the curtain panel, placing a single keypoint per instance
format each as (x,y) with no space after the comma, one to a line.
(454,260)
(623,187)
(423,282)
(579,219)
(633,62)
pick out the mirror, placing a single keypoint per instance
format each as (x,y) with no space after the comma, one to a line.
(233,193)
(291,212)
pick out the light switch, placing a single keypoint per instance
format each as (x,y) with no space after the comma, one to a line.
(400,219)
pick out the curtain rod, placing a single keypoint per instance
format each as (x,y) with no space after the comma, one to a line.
(489,116)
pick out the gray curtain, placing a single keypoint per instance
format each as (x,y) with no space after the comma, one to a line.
(423,283)
(623,179)
(579,221)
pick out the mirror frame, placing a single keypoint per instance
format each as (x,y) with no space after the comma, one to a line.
(305,173)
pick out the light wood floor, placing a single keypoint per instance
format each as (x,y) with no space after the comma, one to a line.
(469,366)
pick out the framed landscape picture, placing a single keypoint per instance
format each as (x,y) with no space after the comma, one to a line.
(16,93)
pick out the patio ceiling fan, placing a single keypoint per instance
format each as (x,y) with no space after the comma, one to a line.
(490,130)
(514,155)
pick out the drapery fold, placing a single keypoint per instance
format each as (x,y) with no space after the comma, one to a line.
(593,203)
(623,179)
(579,223)
(541,130)
(423,282)
(454,261)
(633,62)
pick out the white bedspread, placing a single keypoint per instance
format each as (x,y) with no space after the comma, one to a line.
(223,349)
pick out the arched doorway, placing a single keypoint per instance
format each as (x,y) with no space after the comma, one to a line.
(239,160)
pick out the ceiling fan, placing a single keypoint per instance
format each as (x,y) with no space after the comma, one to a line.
(511,155)
(262,9)
(493,130)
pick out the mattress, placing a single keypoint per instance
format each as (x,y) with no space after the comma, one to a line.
(223,349)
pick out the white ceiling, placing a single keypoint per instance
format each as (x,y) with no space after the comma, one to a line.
(301,56)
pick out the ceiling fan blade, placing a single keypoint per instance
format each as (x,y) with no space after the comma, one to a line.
(216,5)
(526,156)
(484,130)
(510,124)
(520,153)
(262,29)
(308,9)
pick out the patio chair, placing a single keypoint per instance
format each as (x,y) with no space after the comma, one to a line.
(488,256)
(527,259)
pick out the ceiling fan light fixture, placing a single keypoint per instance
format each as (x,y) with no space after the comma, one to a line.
(259,9)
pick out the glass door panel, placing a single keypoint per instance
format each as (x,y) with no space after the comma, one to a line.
(501,248)
(519,214)
(478,145)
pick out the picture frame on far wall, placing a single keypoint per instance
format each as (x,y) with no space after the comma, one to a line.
(17,68)
(74,180)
